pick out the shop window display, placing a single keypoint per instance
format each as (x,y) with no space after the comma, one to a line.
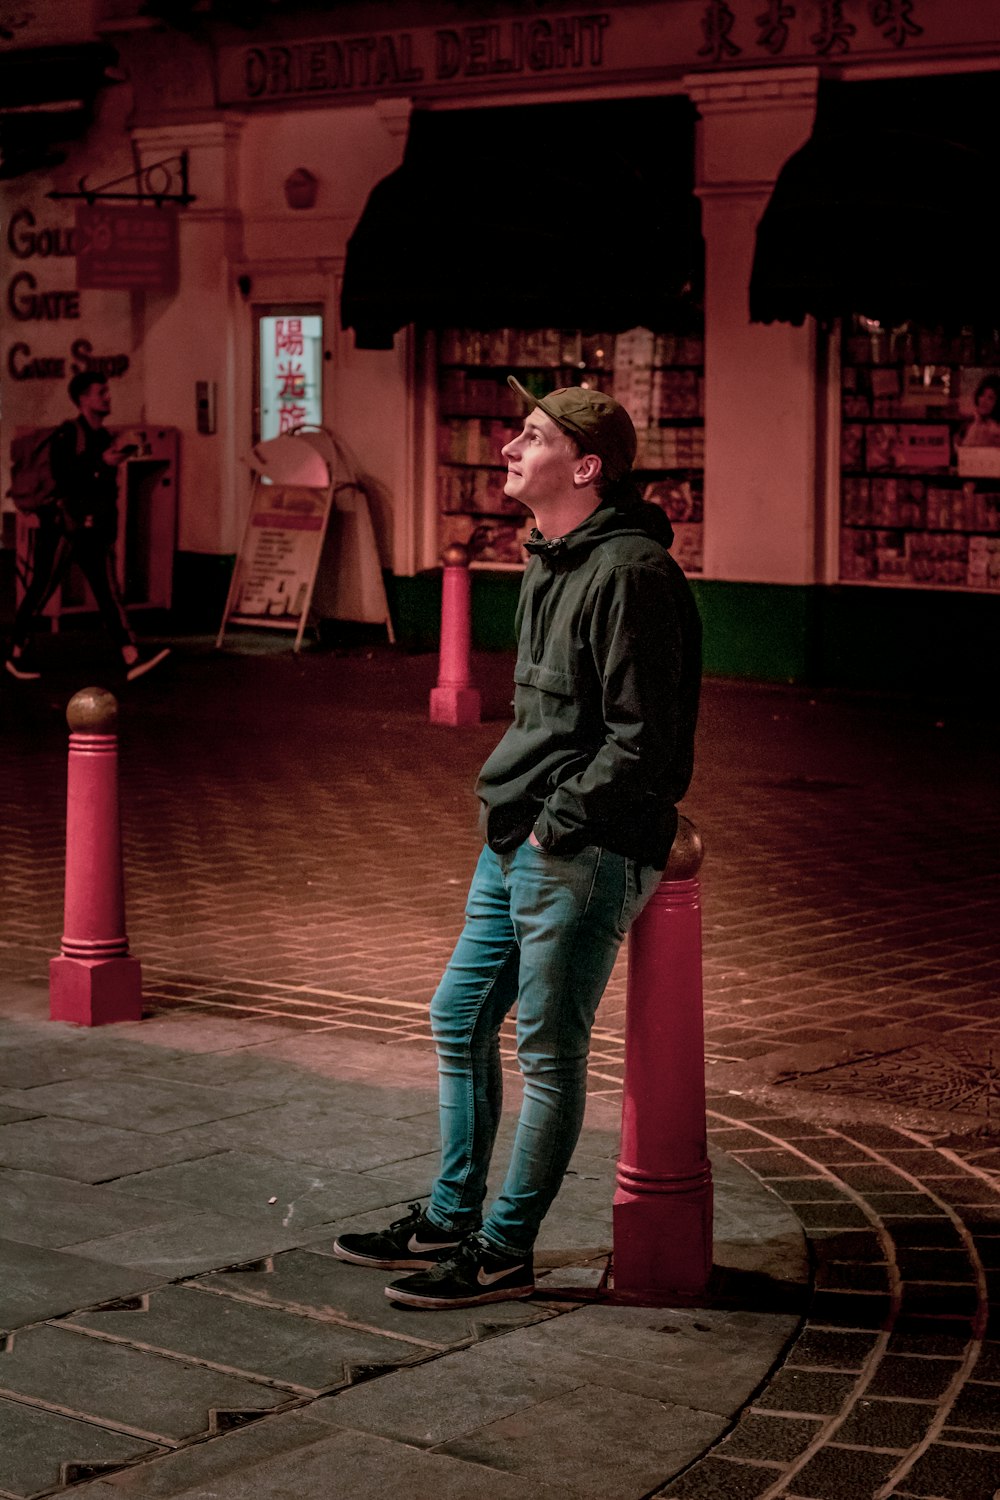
(658,377)
(920,457)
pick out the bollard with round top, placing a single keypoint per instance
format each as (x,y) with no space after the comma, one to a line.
(455,700)
(663,1204)
(94,980)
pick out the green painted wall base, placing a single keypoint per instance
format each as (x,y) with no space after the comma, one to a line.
(898,640)
(911,640)
(416,610)
(761,631)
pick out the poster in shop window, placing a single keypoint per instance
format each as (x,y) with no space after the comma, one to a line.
(978,447)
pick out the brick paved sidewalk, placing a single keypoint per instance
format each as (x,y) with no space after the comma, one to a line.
(318,835)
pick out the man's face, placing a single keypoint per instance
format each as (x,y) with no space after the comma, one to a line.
(95,404)
(541,462)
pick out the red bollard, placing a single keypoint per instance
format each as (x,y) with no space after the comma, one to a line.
(94,981)
(663,1205)
(455,700)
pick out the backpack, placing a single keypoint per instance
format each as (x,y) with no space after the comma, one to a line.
(32,483)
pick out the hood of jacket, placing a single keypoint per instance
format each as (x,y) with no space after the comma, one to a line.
(606,523)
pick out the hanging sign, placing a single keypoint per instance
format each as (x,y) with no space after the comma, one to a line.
(126,248)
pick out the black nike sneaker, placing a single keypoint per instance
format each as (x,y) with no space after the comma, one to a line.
(409,1244)
(470,1275)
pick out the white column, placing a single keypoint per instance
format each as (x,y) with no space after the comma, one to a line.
(760,381)
(191,336)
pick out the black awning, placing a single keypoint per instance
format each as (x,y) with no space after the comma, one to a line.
(575,215)
(890,210)
(46,100)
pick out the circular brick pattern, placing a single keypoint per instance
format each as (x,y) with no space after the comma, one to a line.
(892,1387)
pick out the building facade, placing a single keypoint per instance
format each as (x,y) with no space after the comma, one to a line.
(387,165)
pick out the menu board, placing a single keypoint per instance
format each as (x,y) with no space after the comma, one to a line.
(276,568)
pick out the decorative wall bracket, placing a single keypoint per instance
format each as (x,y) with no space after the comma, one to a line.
(161,182)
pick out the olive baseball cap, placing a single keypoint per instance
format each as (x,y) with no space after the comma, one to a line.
(598,422)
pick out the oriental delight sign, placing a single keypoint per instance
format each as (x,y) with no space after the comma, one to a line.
(629,43)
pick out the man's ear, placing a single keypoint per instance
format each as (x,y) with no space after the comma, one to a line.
(588,469)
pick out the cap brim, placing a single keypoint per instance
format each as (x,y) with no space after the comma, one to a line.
(541,402)
(524,394)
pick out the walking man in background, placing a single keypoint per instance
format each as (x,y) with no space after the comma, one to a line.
(579,812)
(80,525)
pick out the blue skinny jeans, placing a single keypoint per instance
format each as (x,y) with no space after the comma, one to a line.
(542,930)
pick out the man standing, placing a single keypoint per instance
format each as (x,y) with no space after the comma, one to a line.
(579,809)
(80,525)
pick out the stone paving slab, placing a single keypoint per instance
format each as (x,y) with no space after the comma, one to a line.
(705,1358)
(237,1183)
(8,1114)
(157,1399)
(333,1055)
(244,1449)
(416,1173)
(36,1209)
(443,1399)
(150,1105)
(366,1467)
(39,1283)
(188,1244)
(87,1152)
(180,1033)
(298,1132)
(253,1339)
(40,1450)
(249,1073)
(50,1052)
(587,1438)
(304,1281)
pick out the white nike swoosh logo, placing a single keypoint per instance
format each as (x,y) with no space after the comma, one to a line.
(487,1278)
(415,1246)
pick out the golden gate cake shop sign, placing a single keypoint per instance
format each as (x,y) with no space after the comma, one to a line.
(627,43)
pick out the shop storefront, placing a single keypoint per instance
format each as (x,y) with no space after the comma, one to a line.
(384,223)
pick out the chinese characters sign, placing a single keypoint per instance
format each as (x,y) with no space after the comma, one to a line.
(133,248)
(291,363)
(826,28)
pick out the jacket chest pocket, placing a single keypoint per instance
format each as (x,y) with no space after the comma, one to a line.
(560,681)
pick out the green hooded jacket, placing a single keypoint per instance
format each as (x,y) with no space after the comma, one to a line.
(606,693)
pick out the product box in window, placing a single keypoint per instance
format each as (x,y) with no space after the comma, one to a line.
(890,556)
(983,569)
(855,501)
(489,540)
(881,445)
(987,510)
(923,445)
(852,445)
(857,555)
(686,548)
(884,502)
(928,390)
(449,346)
(677,498)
